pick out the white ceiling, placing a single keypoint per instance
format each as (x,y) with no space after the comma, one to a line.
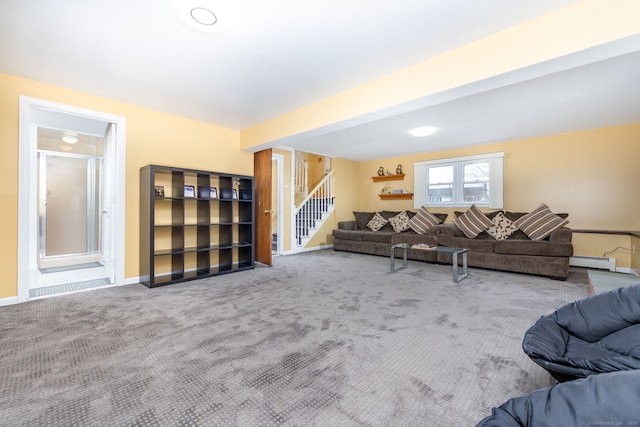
(284,54)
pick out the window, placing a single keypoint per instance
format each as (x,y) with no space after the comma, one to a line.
(460,181)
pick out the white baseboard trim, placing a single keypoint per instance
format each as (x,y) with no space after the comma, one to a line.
(131,281)
(8,301)
(626,270)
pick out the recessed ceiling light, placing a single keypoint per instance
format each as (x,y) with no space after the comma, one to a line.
(203,16)
(423,131)
(209,16)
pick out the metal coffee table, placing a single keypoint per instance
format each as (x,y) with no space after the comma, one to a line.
(457,276)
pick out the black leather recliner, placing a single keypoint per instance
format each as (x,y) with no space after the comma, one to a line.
(594,335)
(605,399)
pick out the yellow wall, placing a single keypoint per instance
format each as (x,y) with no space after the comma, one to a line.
(592,175)
(152,137)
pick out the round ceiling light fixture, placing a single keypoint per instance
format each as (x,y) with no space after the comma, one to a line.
(423,131)
(209,16)
(70,138)
(203,16)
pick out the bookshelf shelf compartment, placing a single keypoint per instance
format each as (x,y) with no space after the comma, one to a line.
(186,238)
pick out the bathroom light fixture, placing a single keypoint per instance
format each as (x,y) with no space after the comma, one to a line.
(423,131)
(209,16)
(69,138)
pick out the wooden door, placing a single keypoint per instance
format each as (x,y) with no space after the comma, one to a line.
(262,177)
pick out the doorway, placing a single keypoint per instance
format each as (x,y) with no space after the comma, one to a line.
(71,213)
(277,223)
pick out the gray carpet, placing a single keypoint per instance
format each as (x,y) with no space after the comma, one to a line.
(320,339)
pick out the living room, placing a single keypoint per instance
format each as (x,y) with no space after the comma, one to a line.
(591,173)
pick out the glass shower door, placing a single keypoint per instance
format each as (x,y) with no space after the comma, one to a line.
(70,206)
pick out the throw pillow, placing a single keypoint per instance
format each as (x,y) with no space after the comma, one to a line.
(377,222)
(502,227)
(422,221)
(363,218)
(539,223)
(472,222)
(400,222)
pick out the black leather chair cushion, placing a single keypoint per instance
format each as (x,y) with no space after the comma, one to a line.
(606,399)
(590,336)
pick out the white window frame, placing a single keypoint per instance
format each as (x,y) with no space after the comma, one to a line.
(496,180)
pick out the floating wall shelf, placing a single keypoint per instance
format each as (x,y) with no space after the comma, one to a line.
(401,196)
(396,177)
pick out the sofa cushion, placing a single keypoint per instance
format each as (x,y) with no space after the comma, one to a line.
(400,222)
(414,239)
(472,222)
(354,235)
(464,242)
(377,222)
(363,218)
(502,227)
(422,221)
(539,223)
(386,215)
(533,248)
(378,236)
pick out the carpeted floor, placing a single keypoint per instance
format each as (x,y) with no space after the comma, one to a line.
(319,339)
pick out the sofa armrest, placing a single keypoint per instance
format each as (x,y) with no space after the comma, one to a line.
(347,225)
(561,235)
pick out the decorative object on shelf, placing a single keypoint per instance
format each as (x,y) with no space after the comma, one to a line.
(234,194)
(213,193)
(396,191)
(386,189)
(159,190)
(388,173)
(189,191)
(399,169)
(380,171)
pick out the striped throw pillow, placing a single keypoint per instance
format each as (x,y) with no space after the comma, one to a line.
(472,222)
(539,223)
(422,221)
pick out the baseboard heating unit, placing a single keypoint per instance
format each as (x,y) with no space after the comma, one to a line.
(593,262)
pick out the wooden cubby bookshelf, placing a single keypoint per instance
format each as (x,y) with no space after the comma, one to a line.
(185,238)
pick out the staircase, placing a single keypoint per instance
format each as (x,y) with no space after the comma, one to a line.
(314,210)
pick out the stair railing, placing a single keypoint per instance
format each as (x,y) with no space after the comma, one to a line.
(301,175)
(318,202)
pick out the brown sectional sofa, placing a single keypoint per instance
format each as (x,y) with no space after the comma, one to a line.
(548,257)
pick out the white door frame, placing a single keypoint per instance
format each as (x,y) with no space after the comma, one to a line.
(28,188)
(279,158)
